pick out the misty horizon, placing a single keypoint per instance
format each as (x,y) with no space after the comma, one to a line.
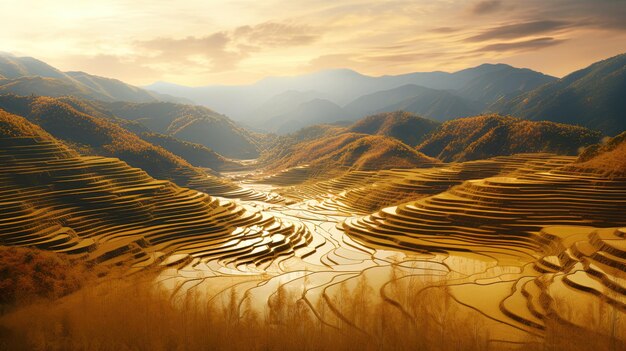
(330,69)
(227,42)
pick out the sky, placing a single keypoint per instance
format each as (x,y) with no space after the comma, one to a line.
(239,42)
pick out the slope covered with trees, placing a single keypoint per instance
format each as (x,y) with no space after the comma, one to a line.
(592,97)
(608,158)
(100,136)
(440,105)
(93,136)
(355,151)
(196,154)
(30,275)
(461,139)
(404,126)
(12,126)
(486,136)
(191,123)
(488,83)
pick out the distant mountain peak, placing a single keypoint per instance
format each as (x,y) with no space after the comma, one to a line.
(331,72)
(591,97)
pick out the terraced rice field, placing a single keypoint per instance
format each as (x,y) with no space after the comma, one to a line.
(56,200)
(514,238)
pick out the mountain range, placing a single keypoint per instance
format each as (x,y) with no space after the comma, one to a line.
(592,97)
(285,104)
(192,123)
(27,75)
(405,140)
(86,128)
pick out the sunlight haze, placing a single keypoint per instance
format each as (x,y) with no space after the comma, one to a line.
(239,42)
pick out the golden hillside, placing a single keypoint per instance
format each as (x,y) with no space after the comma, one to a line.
(278,147)
(196,154)
(54,199)
(102,137)
(92,135)
(608,158)
(196,124)
(404,126)
(354,151)
(15,126)
(485,136)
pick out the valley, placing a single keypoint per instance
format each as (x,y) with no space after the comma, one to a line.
(147,222)
(519,229)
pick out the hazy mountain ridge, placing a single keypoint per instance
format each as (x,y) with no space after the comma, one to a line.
(461,139)
(437,104)
(27,75)
(489,82)
(196,154)
(13,67)
(305,114)
(283,103)
(592,97)
(344,87)
(196,124)
(94,136)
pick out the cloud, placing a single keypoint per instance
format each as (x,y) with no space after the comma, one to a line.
(225,49)
(331,61)
(186,46)
(526,45)
(445,30)
(200,42)
(519,30)
(605,14)
(272,34)
(486,6)
(213,47)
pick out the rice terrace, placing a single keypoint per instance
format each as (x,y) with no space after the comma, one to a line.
(394,175)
